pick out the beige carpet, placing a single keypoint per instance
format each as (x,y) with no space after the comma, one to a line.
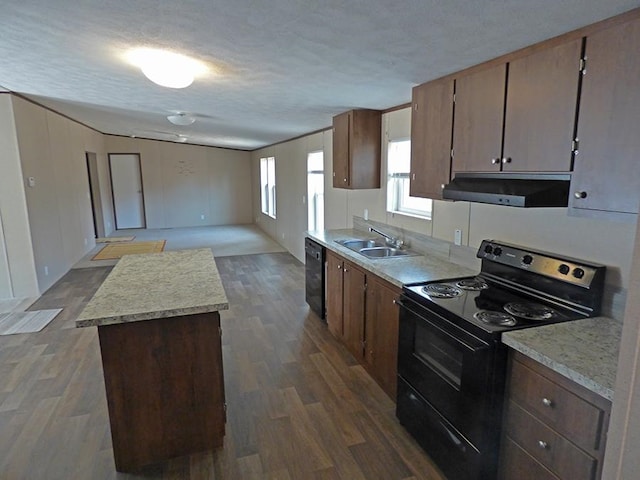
(117,250)
(26,322)
(114,239)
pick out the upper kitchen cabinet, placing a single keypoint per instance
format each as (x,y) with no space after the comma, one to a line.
(606,175)
(540,114)
(431,125)
(356,149)
(477,130)
(534,130)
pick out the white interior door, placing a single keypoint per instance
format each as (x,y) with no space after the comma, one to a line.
(126,183)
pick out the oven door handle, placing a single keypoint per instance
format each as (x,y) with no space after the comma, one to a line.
(475,346)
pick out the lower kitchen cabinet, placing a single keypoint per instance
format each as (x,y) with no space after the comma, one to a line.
(346,302)
(361,312)
(381,333)
(553,428)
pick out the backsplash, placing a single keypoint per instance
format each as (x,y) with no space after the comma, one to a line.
(614,297)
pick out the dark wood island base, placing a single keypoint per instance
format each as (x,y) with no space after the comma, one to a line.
(165,388)
(160,338)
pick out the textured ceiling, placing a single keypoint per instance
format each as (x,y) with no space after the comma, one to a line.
(285,67)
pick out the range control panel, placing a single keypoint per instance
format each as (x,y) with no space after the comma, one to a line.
(566,269)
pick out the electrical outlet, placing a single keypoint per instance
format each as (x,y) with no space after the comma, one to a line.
(457,237)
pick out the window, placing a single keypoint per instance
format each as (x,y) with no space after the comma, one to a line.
(268,186)
(315,190)
(398,167)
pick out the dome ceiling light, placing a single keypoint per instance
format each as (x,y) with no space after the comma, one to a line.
(181,119)
(167,69)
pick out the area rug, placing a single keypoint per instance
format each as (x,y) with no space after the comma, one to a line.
(116,250)
(26,322)
(114,239)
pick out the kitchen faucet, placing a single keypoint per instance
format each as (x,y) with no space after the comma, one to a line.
(394,242)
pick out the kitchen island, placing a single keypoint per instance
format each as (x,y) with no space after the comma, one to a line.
(159,328)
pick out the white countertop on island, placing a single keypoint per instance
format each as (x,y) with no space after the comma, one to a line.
(157,285)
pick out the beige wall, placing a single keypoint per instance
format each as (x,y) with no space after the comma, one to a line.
(17,266)
(182,183)
(52,151)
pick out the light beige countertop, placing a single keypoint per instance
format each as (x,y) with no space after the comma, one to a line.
(585,351)
(157,285)
(397,271)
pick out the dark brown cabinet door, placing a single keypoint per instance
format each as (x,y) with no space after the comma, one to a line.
(541,108)
(334,294)
(479,115)
(341,126)
(606,176)
(354,305)
(357,140)
(381,334)
(431,126)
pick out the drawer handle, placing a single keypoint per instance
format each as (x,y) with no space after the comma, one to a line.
(543,445)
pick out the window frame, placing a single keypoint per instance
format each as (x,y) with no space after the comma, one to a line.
(268,186)
(398,188)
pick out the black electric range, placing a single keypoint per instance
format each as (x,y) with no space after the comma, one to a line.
(451,362)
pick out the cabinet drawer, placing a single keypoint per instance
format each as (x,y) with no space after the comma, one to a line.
(559,408)
(547,446)
(518,464)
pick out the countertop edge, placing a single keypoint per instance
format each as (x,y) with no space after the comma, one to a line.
(138,317)
(560,368)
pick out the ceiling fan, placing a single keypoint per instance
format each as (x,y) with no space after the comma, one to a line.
(181,118)
(171,136)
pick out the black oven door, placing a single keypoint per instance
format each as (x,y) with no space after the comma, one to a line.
(450,368)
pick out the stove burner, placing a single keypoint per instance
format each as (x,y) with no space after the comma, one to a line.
(530,311)
(495,318)
(441,290)
(474,284)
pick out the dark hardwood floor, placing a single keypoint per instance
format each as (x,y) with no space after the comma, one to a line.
(299,406)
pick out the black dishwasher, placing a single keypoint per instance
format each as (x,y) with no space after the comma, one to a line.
(314,280)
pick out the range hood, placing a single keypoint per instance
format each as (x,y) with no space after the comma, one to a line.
(512,189)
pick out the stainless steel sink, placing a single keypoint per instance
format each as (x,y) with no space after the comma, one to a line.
(378,252)
(356,245)
(373,248)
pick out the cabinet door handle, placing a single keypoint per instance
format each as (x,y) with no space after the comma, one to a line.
(543,445)
(506,160)
(546,402)
(339,267)
(581,194)
(495,161)
(344,180)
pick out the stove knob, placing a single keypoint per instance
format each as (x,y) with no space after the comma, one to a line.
(497,251)
(564,269)
(527,259)
(578,272)
(488,249)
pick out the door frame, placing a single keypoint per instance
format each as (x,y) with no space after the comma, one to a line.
(95,194)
